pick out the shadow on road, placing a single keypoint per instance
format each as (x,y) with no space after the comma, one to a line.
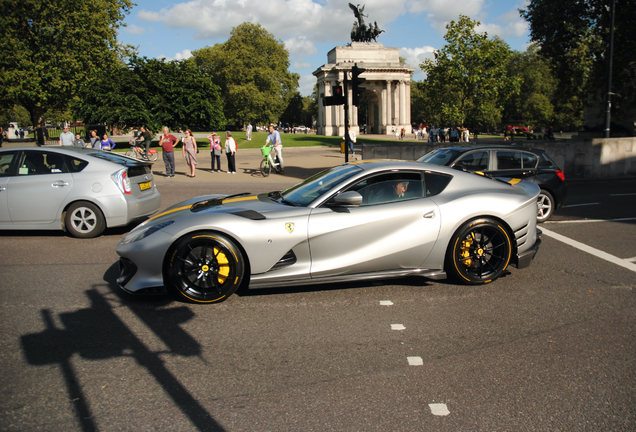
(97,333)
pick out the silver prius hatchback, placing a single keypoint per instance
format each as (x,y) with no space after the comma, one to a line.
(82,191)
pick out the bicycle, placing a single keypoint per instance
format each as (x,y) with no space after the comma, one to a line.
(138,152)
(269,164)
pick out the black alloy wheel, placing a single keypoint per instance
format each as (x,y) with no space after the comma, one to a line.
(479,252)
(204,267)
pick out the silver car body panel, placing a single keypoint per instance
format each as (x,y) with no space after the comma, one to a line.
(339,244)
(40,201)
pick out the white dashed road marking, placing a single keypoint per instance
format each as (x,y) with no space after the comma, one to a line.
(415,361)
(439,409)
(386,303)
(397,327)
(589,249)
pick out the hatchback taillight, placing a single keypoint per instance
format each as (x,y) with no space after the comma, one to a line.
(122,181)
(560,174)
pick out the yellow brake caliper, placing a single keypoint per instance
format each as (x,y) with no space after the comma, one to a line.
(465,250)
(224,265)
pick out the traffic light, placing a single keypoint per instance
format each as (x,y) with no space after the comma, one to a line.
(356,81)
(338,97)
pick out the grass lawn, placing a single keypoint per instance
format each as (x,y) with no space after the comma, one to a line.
(289,140)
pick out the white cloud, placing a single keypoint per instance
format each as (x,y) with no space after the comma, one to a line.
(183,55)
(300,46)
(416,56)
(306,84)
(303,65)
(134,29)
(441,12)
(214,19)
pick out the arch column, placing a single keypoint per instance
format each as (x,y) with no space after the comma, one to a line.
(402,103)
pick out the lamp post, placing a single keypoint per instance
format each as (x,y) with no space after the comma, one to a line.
(608,106)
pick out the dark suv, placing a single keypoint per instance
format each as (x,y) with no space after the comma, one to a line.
(507,161)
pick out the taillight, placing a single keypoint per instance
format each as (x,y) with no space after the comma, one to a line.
(122,181)
(560,174)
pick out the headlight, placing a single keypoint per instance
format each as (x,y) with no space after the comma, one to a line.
(136,236)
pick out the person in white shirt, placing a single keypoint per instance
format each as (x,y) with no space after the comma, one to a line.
(352,140)
(66,137)
(230,151)
(274,139)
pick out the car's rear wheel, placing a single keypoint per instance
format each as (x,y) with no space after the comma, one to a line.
(479,252)
(265,168)
(84,220)
(205,267)
(545,206)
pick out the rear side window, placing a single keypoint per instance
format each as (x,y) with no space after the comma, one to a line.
(508,159)
(75,165)
(529,160)
(435,183)
(546,162)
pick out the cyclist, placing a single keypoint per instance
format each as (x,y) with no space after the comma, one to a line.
(273,139)
(145,138)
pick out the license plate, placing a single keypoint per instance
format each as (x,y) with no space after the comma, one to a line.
(145,185)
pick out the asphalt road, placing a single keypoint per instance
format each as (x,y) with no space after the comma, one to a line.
(550,347)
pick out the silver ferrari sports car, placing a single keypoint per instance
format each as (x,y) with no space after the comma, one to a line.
(365,220)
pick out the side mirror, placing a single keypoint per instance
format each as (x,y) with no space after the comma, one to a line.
(348,199)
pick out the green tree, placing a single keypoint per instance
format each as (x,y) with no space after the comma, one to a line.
(533,104)
(154,93)
(574,36)
(252,69)
(49,48)
(467,80)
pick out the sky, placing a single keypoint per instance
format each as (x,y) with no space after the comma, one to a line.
(309,29)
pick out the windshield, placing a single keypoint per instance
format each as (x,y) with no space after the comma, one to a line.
(440,156)
(304,193)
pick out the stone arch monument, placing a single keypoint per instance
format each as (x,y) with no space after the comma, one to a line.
(388,84)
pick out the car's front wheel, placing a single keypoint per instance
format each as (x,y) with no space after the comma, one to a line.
(545,206)
(204,267)
(84,220)
(479,252)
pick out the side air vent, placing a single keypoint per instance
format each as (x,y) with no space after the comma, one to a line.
(288,259)
(521,236)
(249,214)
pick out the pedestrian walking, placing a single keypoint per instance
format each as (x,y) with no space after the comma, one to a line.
(189,152)
(230,152)
(167,142)
(215,151)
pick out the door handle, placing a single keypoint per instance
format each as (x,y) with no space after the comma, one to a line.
(430,215)
(60,184)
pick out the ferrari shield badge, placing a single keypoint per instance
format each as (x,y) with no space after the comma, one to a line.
(289,226)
